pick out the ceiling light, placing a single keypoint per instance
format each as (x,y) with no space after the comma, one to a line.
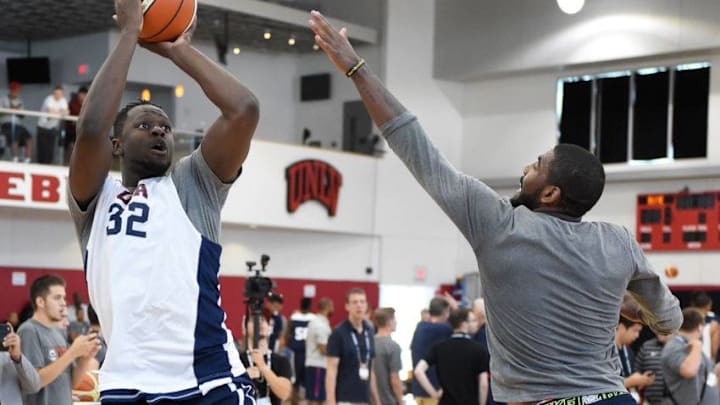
(316,47)
(179,90)
(570,6)
(145,94)
(291,41)
(267,35)
(236,51)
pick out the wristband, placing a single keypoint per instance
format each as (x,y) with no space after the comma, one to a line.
(355,68)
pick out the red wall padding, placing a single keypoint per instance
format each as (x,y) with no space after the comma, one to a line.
(14,298)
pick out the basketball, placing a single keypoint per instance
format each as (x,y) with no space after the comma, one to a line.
(671,271)
(165,20)
(87,388)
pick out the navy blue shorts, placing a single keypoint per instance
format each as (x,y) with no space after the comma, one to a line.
(299,360)
(314,384)
(219,396)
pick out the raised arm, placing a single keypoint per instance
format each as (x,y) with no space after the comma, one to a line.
(227,141)
(92,155)
(457,194)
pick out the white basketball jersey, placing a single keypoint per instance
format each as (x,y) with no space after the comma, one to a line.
(153,281)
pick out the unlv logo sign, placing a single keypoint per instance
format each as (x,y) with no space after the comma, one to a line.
(313,180)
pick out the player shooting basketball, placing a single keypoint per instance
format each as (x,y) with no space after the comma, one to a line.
(553,284)
(150,242)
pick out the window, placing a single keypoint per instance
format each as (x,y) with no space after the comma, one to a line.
(633,116)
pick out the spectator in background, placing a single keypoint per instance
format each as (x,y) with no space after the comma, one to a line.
(60,367)
(74,107)
(688,372)
(478,309)
(278,322)
(11,128)
(48,132)
(350,352)
(626,333)
(13,319)
(459,360)
(270,371)
(427,333)
(318,333)
(296,335)
(95,328)
(701,301)
(649,358)
(387,359)
(18,377)
(79,326)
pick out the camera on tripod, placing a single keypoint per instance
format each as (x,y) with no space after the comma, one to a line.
(257,288)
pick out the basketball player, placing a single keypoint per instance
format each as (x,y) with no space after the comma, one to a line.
(554,340)
(150,242)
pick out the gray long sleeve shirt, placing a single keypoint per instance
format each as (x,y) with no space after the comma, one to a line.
(553,287)
(17,379)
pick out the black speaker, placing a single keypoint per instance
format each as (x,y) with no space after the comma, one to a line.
(315,87)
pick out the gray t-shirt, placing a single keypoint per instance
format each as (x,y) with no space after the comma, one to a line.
(42,345)
(202,195)
(14,103)
(387,360)
(553,286)
(686,391)
(16,379)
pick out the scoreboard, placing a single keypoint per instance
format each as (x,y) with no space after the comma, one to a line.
(679,221)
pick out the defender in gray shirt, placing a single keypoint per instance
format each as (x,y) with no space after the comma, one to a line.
(554,284)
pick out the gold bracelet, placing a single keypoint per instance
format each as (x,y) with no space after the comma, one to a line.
(355,68)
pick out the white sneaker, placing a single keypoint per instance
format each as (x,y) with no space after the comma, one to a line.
(26,160)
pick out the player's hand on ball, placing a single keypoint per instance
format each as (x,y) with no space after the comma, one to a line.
(129,16)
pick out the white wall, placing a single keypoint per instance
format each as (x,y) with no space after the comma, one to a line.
(415,232)
(481,37)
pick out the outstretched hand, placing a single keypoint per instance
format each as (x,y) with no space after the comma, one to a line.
(335,43)
(166,48)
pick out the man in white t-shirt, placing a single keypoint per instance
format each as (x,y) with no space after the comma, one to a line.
(48,131)
(318,333)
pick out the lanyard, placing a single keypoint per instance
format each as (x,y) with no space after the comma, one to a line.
(626,360)
(357,346)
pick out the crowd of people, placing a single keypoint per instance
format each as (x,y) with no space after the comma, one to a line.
(51,132)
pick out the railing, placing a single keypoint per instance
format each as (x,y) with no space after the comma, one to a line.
(185,140)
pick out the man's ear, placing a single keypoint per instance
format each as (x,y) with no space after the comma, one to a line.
(116,147)
(550,195)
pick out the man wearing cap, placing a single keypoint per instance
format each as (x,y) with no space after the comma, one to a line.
(11,128)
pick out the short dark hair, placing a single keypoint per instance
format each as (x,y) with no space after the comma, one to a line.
(58,87)
(352,291)
(438,305)
(627,323)
(306,304)
(92,316)
(692,318)
(580,176)
(276,297)
(82,89)
(700,299)
(121,116)
(383,316)
(41,287)
(458,316)
(324,303)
